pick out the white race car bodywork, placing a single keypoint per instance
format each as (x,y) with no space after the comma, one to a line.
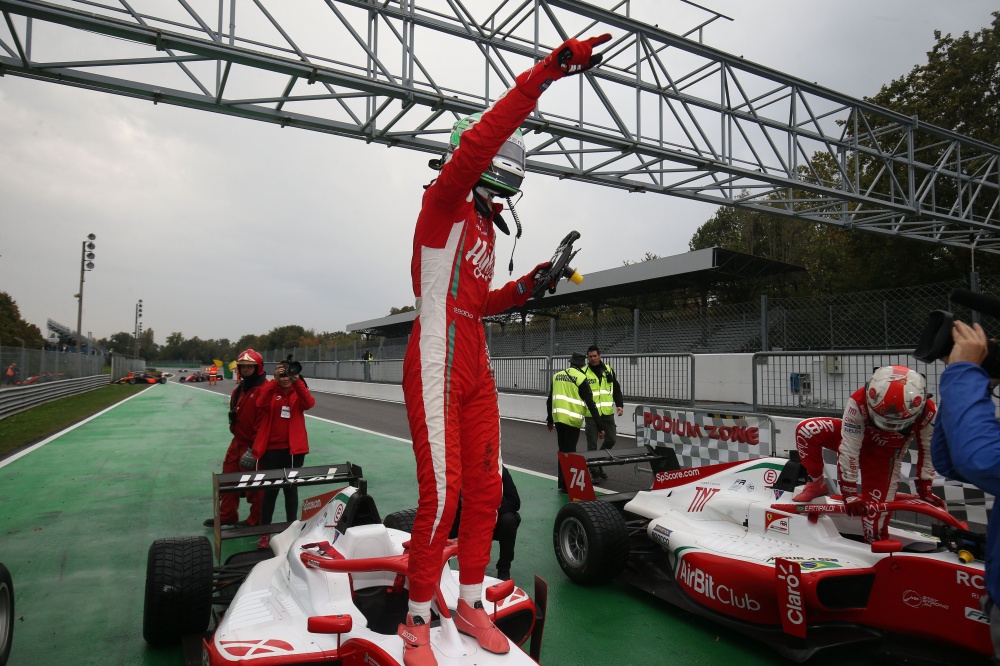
(722,541)
(267,619)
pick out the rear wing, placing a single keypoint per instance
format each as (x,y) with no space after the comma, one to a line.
(575,467)
(240,482)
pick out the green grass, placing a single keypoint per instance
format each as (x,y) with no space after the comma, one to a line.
(39,422)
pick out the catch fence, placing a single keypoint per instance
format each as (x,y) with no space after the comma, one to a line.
(20,366)
(885,319)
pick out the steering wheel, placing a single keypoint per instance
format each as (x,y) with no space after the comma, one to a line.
(560,267)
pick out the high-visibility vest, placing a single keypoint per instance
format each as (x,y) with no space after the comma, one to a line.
(603,390)
(10,371)
(567,407)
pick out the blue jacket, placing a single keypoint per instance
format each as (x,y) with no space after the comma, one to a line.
(966,445)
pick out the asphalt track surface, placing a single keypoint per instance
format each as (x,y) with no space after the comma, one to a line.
(79,511)
(524,444)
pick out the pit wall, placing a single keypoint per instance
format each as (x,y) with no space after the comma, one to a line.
(724,379)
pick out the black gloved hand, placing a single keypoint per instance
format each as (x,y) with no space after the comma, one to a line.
(247,461)
(573,56)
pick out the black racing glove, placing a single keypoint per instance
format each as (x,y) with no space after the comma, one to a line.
(248,462)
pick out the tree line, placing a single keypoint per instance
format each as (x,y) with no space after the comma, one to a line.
(203,352)
(957,89)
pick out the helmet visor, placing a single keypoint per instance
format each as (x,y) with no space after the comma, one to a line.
(512,152)
(503,182)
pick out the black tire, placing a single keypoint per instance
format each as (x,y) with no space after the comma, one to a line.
(6,614)
(591,541)
(163,380)
(131,380)
(401,520)
(178,589)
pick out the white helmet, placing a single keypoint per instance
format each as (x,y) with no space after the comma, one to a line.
(896,397)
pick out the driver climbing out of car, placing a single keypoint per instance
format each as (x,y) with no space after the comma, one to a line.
(880,420)
(451,398)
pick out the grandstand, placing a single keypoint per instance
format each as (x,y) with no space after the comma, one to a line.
(612,296)
(63,338)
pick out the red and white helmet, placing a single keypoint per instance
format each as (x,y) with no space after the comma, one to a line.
(250,357)
(896,397)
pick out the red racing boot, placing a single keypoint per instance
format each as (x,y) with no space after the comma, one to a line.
(416,635)
(473,621)
(814,488)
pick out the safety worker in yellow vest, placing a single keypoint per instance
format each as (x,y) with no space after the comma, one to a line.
(570,399)
(609,400)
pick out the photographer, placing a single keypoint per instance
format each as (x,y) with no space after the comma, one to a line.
(966,444)
(281,440)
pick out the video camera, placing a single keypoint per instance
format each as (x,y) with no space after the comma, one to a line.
(936,342)
(291,368)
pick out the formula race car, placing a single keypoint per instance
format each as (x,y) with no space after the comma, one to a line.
(331,589)
(724,541)
(142,378)
(6,614)
(196,376)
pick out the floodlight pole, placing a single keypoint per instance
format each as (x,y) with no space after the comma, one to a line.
(87,244)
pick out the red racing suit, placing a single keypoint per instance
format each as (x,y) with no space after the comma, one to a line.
(874,454)
(243,404)
(451,399)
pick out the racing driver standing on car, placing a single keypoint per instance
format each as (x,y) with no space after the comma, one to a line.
(880,420)
(451,399)
(242,423)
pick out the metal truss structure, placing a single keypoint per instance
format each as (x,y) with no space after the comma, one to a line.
(663,113)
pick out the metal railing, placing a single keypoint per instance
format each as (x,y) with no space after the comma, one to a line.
(819,383)
(20,398)
(661,378)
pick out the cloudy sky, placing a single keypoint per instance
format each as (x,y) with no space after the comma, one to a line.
(225,226)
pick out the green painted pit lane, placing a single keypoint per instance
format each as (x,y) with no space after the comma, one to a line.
(77,517)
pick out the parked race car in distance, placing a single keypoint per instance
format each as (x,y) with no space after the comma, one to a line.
(725,542)
(196,376)
(143,377)
(330,589)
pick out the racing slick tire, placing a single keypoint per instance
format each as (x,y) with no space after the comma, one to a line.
(162,380)
(591,541)
(178,589)
(401,520)
(6,614)
(131,380)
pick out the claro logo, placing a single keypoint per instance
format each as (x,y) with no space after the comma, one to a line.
(793,605)
(701,583)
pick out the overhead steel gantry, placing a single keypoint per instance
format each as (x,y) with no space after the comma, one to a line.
(663,113)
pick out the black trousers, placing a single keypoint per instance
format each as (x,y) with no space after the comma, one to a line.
(567,437)
(506,534)
(280,459)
